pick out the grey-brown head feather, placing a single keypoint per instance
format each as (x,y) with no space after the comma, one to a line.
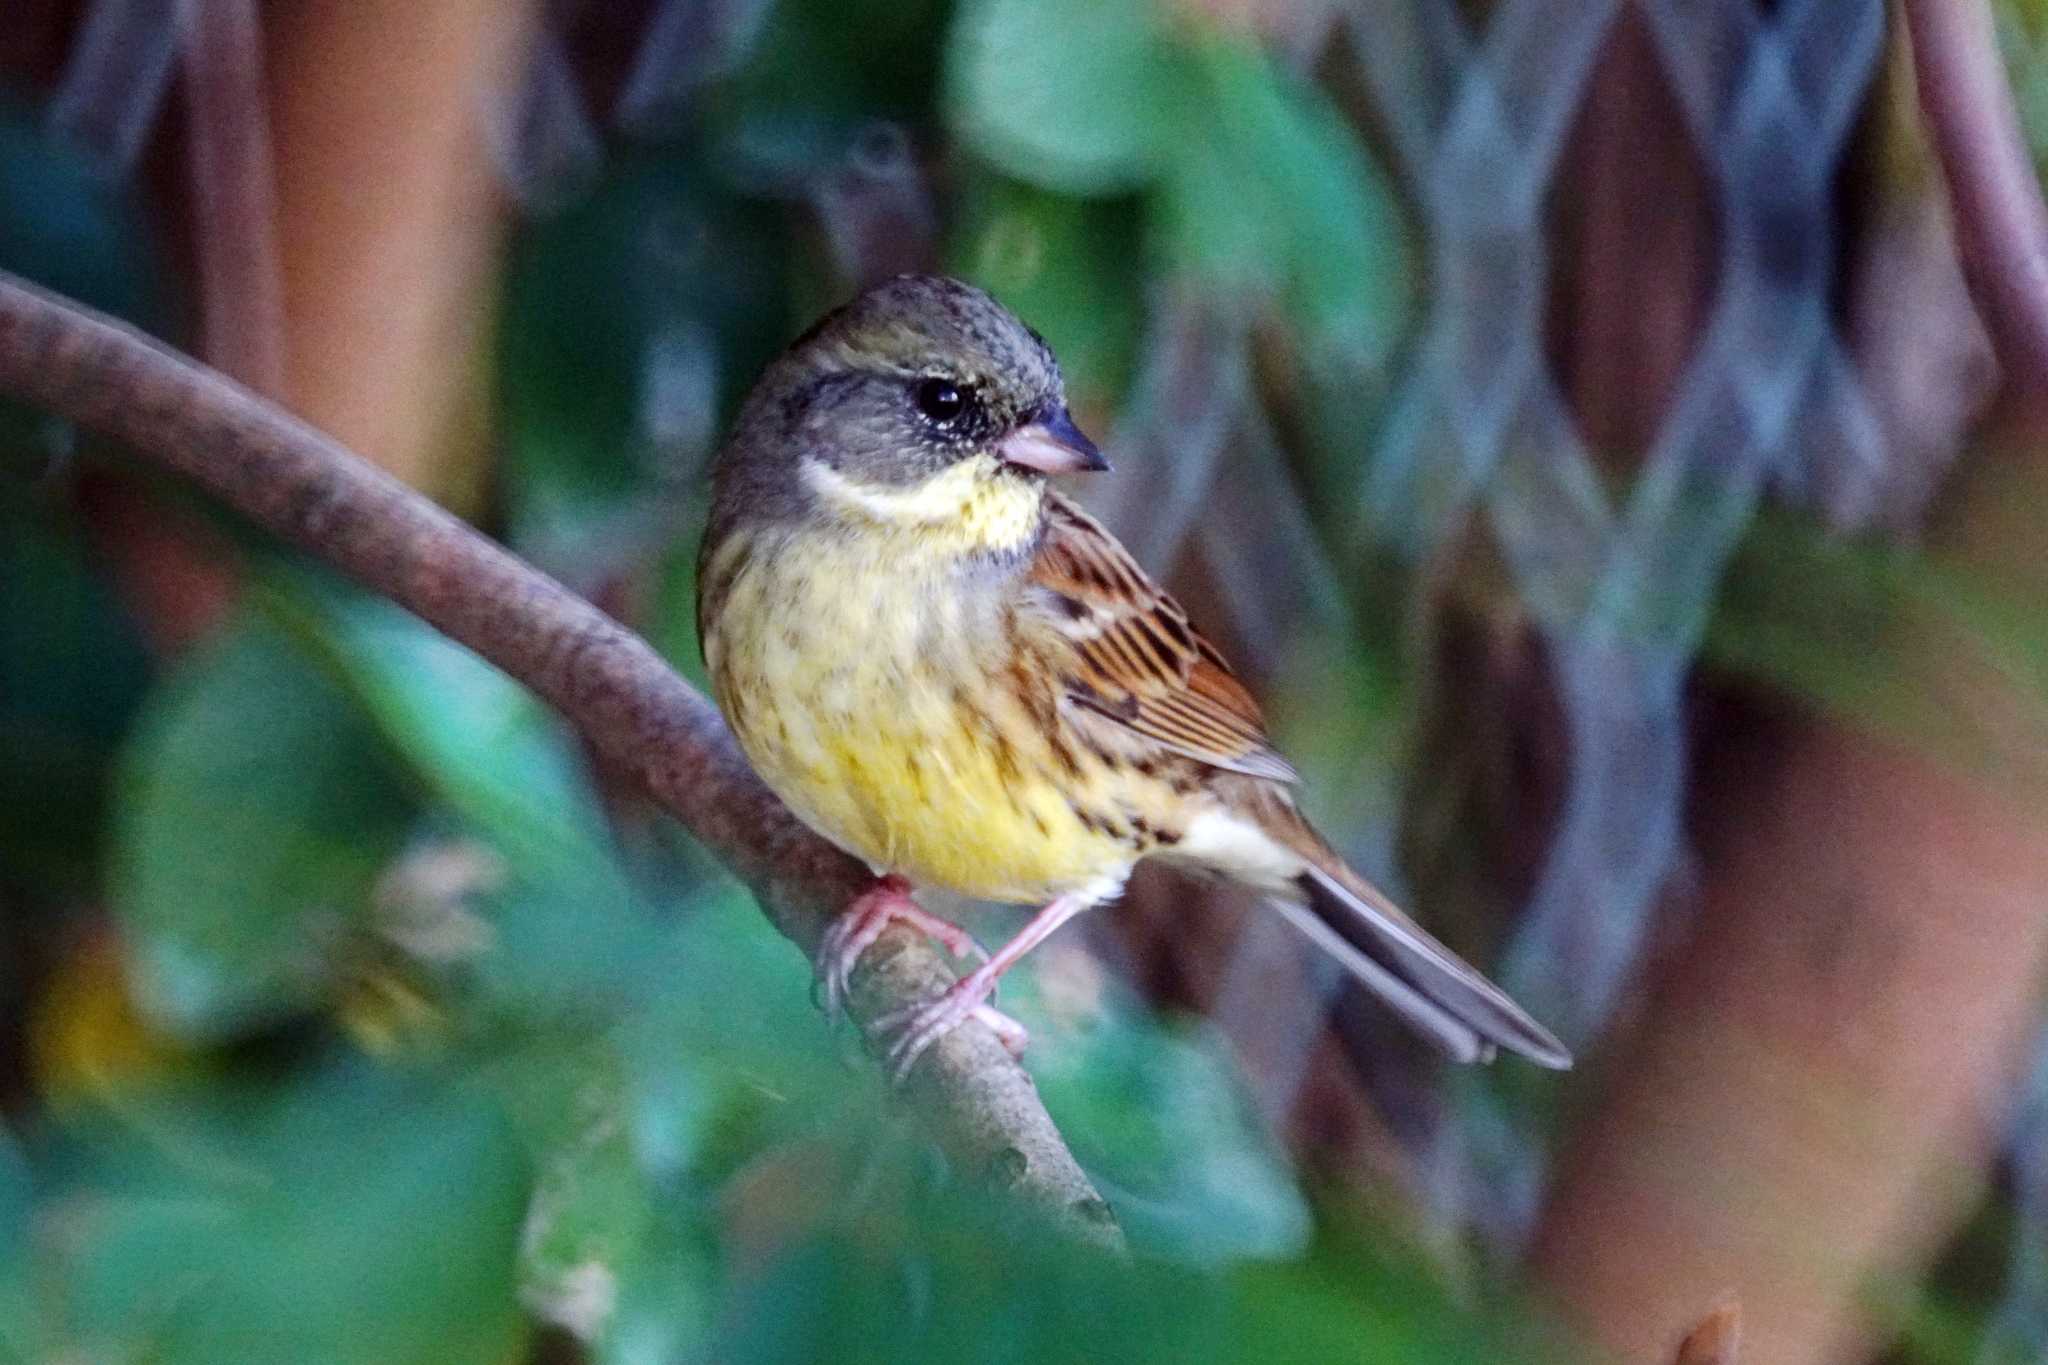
(846,394)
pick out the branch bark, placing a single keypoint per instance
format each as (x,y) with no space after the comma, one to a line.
(980,1106)
(2000,217)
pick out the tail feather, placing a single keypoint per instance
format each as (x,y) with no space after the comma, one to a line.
(1428,985)
(1452,1035)
(1260,838)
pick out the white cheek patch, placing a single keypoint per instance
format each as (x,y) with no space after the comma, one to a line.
(968,502)
(936,499)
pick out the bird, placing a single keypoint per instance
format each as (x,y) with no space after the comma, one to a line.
(944,666)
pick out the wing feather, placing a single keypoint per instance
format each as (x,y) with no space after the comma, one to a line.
(1133,657)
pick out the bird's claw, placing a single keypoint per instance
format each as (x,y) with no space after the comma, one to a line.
(914,1028)
(888,901)
(1012,1035)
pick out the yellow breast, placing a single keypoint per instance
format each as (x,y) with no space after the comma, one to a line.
(866,687)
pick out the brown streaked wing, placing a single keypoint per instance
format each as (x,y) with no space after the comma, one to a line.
(1135,657)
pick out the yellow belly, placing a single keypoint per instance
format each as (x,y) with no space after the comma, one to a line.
(865,699)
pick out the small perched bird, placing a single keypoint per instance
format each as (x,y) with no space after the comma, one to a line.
(946,668)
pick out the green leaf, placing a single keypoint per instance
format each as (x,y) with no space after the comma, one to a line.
(720,1060)
(668,1306)
(592,1202)
(733,1004)
(947,1281)
(1270,193)
(1064,266)
(257,807)
(565,923)
(1071,95)
(1365,1293)
(1154,1110)
(476,738)
(358,1215)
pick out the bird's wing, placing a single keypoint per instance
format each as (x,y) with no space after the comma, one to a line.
(1134,658)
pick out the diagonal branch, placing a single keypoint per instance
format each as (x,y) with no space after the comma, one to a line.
(2000,217)
(628,703)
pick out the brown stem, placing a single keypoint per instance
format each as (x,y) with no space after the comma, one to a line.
(234,194)
(390,221)
(625,700)
(2000,217)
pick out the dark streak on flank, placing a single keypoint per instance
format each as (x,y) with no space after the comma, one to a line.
(1006,758)
(1063,753)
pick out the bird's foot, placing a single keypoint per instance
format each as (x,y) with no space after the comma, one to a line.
(914,1028)
(1012,1034)
(887,902)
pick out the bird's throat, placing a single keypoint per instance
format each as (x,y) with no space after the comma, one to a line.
(974,507)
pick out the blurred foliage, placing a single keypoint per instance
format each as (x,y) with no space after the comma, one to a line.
(356,1213)
(256,813)
(448,1051)
(1252,182)
(72,673)
(71,666)
(403,1033)
(665,252)
(405,1039)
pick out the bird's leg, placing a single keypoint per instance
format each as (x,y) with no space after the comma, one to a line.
(887,902)
(917,1027)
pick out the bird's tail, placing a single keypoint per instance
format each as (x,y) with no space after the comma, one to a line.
(1429,986)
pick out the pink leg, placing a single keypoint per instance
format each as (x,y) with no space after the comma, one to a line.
(919,1026)
(874,910)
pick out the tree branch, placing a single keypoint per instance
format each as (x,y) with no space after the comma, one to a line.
(628,703)
(2001,221)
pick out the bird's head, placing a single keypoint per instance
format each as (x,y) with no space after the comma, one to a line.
(923,402)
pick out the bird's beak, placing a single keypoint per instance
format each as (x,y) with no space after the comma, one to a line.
(1051,444)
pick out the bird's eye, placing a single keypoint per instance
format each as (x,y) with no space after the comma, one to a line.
(940,400)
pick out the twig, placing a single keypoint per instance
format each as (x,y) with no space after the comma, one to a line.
(1716,1339)
(628,703)
(234,194)
(2000,218)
